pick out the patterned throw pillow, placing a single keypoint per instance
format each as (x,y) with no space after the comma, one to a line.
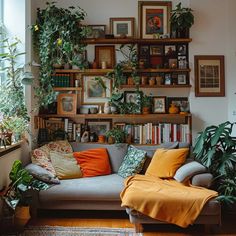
(133,162)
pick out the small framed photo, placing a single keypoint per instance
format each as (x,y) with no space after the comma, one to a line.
(182,79)
(159,104)
(182,49)
(134,99)
(66,104)
(97,31)
(181,102)
(122,26)
(144,50)
(168,79)
(173,63)
(154,18)
(100,127)
(170,50)
(156,50)
(182,62)
(105,55)
(93,92)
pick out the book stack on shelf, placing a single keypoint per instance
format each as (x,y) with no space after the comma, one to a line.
(61,80)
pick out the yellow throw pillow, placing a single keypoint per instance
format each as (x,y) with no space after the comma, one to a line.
(65,165)
(165,162)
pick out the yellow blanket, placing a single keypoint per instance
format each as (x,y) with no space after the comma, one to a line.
(165,200)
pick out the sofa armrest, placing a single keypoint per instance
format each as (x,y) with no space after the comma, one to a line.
(202,180)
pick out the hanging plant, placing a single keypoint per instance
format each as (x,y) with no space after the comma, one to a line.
(55,29)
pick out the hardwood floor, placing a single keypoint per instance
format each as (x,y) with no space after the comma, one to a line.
(120,220)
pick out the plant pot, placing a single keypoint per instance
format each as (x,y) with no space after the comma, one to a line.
(146,110)
(67,66)
(57,66)
(22,216)
(183,33)
(111,140)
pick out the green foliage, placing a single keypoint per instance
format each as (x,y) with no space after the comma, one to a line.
(58,36)
(146,101)
(21,181)
(181,18)
(216,149)
(117,133)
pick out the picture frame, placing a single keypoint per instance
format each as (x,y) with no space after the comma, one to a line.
(66,104)
(182,49)
(156,50)
(181,102)
(209,76)
(170,50)
(159,104)
(182,79)
(154,18)
(93,92)
(105,54)
(144,51)
(122,26)
(167,80)
(172,63)
(97,31)
(99,126)
(134,99)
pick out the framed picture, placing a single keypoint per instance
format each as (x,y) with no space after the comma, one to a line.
(182,49)
(182,79)
(100,127)
(172,63)
(154,18)
(181,102)
(134,100)
(93,91)
(97,31)
(122,27)
(105,55)
(209,76)
(182,62)
(144,50)
(168,79)
(170,50)
(66,104)
(159,104)
(156,50)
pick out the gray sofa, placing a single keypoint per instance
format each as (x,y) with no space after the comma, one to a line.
(103,192)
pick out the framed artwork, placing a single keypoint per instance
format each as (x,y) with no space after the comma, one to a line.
(97,31)
(172,63)
(121,26)
(182,79)
(156,50)
(105,54)
(209,76)
(159,104)
(93,92)
(182,49)
(168,79)
(181,102)
(170,50)
(134,100)
(154,18)
(100,127)
(66,104)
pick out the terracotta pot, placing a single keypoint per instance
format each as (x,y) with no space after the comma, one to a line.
(152,81)
(146,110)
(22,216)
(111,140)
(101,139)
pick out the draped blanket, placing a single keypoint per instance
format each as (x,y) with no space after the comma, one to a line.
(165,200)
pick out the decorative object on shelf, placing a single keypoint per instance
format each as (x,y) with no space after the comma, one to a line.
(85,137)
(152,81)
(93,110)
(181,20)
(215,149)
(99,127)
(133,99)
(168,80)
(113,109)
(122,26)
(101,138)
(173,109)
(170,50)
(130,80)
(66,104)
(96,31)
(116,135)
(159,80)
(94,65)
(146,104)
(154,18)
(107,108)
(159,104)
(180,102)
(100,110)
(209,76)
(144,80)
(93,137)
(106,54)
(182,79)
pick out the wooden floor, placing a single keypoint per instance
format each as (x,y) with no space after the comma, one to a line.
(120,220)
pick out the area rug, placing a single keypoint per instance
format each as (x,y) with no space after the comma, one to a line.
(77,231)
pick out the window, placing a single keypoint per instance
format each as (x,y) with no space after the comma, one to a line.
(1,51)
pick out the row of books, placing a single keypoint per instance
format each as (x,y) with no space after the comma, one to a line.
(61,80)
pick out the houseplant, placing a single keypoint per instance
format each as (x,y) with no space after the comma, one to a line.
(116,135)
(216,149)
(181,20)
(146,102)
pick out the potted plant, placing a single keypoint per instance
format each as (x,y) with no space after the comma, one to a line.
(181,20)
(146,103)
(17,195)
(216,149)
(115,135)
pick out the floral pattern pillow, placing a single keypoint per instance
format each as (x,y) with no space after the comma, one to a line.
(41,156)
(133,162)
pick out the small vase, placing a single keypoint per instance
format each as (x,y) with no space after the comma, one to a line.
(173,109)
(107,108)
(152,81)
(111,140)
(101,139)
(113,109)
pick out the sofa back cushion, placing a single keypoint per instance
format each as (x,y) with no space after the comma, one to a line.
(93,162)
(116,152)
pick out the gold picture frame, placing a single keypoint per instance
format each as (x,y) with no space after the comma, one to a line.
(66,104)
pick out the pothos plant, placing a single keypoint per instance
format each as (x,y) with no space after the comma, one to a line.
(54,30)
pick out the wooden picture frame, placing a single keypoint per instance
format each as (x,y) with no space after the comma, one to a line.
(181,102)
(93,92)
(209,76)
(66,104)
(99,126)
(105,54)
(97,31)
(122,26)
(133,98)
(156,50)
(182,79)
(159,104)
(154,18)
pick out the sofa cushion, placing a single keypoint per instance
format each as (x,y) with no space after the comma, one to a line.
(186,171)
(93,162)
(99,188)
(202,180)
(65,165)
(133,162)
(116,152)
(165,162)
(42,174)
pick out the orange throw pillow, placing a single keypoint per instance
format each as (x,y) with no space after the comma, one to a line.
(165,162)
(93,162)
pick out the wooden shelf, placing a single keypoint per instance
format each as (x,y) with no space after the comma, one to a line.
(67,88)
(136,41)
(158,86)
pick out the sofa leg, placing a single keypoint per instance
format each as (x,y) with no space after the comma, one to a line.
(138,227)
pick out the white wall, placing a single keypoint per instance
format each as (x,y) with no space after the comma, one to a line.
(213,34)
